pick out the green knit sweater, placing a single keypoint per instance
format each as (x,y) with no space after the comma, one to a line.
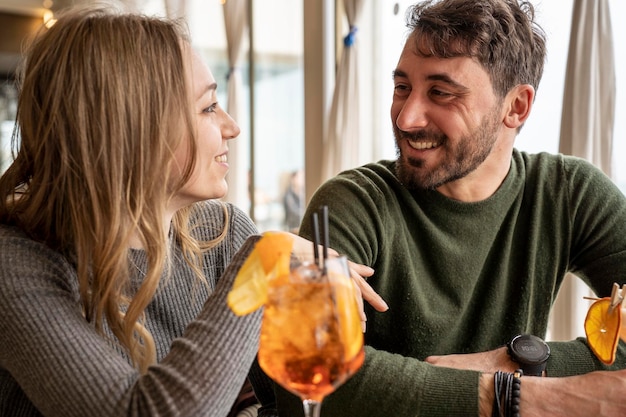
(466,277)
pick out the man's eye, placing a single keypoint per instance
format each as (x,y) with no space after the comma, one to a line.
(401,89)
(439,93)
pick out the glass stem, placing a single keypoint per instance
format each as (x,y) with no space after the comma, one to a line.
(311,408)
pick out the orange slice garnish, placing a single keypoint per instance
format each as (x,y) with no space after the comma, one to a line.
(603,327)
(270,257)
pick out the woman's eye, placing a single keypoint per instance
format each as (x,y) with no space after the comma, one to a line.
(211,109)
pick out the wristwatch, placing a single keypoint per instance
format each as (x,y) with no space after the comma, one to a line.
(530,352)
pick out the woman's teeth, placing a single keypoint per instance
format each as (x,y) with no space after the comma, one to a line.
(221,158)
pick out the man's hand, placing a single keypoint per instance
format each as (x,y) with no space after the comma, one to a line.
(491,361)
(598,394)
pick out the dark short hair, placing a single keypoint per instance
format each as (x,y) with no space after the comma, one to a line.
(500,34)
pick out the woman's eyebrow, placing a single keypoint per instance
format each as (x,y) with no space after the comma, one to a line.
(210,87)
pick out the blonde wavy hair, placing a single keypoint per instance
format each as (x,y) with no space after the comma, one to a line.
(103,105)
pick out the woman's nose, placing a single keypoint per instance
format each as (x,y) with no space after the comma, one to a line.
(230,128)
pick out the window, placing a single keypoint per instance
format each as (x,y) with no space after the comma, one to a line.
(278,107)
(8,107)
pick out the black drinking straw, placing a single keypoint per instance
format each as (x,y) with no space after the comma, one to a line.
(316,238)
(325,237)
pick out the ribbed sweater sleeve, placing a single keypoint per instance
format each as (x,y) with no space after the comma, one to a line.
(53,361)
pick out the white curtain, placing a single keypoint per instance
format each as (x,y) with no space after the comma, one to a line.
(133,5)
(586,128)
(342,139)
(236,24)
(175,8)
(589,98)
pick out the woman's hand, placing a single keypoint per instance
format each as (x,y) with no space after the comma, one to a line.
(358,273)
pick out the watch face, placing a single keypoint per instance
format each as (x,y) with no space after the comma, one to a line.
(530,349)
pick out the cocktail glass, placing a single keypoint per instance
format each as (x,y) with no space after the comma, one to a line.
(311,337)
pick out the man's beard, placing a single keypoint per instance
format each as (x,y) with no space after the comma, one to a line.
(470,152)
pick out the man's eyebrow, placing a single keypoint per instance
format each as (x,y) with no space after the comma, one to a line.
(434,77)
(398,73)
(446,79)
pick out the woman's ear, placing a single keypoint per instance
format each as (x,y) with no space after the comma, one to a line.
(519,102)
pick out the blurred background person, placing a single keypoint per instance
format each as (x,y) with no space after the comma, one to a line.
(293,201)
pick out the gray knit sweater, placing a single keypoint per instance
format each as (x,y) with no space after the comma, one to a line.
(53,363)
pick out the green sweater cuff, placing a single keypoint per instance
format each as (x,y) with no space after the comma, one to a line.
(576,358)
(449,392)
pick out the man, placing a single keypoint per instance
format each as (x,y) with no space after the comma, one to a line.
(470,238)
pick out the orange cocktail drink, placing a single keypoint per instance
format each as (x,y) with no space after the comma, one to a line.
(311,338)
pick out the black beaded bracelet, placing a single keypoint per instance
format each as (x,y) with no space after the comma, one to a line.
(507,389)
(516,389)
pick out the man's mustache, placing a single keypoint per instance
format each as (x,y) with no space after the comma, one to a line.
(421,135)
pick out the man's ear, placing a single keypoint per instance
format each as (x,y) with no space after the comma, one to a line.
(518,102)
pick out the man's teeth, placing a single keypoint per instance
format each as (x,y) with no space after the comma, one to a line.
(422,145)
(221,158)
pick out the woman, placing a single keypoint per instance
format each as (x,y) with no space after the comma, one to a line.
(113,267)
